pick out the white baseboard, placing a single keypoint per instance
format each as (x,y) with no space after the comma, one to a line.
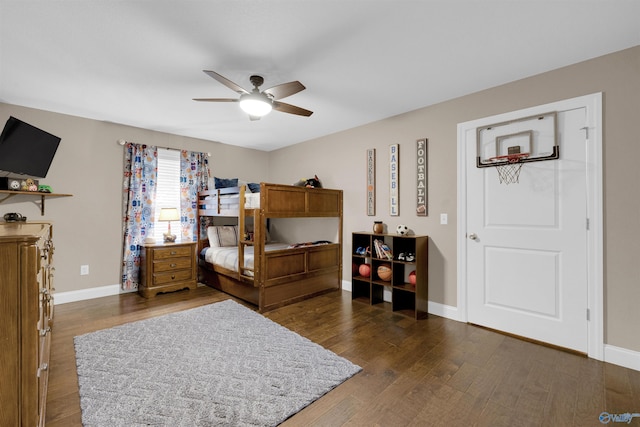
(91,293)
(622,357)
(443,310)
(433,307)
(84,294)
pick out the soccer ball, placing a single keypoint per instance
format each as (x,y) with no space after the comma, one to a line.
(402,230)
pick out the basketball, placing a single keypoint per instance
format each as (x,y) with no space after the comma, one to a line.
(412,277)
(384,272)
(364,270)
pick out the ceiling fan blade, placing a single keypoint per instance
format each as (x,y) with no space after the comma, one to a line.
(225,81)
(291,109)
(284,90)
(216,99)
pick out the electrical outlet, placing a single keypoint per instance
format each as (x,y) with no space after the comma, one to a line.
(84,270)
(444,219)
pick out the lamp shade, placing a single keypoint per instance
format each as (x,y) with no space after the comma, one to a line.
(256,104)
(169,214)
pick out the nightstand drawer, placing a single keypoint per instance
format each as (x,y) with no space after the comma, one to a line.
(171,252)
(172,264)
(170,277)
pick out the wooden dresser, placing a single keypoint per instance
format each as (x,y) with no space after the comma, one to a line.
(26,316)
(167,267)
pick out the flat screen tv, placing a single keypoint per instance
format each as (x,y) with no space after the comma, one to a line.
(26,150)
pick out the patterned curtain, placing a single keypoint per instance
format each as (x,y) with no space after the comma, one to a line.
(194,177)
(138,196)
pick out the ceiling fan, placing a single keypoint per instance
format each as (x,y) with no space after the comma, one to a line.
(256,103)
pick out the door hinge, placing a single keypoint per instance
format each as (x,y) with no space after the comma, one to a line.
(588,315)
(588,224)
(586,131)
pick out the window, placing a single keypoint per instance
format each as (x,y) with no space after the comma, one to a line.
(167,190)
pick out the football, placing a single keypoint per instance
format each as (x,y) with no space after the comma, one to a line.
(402,230)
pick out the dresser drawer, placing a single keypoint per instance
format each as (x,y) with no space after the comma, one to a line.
(172,252)
(171,264)
(170,277)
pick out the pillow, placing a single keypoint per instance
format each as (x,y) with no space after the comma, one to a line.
(222,235)
(225,182)
(254,187)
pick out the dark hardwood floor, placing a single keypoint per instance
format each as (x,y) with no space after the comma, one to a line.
(433,372)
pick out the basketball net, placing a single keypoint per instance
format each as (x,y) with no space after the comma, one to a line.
(509,171)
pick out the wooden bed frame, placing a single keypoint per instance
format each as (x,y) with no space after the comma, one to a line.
(279,277)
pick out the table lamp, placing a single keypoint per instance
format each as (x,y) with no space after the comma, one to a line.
(169,214)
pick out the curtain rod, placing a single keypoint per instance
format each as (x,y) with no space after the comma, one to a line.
(122,143)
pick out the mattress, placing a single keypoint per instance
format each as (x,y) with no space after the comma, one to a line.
(229,203)
(227,256)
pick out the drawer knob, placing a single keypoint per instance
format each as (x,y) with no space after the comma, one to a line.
(173,252)
(173,265)
(173,277)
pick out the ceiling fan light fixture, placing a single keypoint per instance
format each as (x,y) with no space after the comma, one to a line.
(255,105)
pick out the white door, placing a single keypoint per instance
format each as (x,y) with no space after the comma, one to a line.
(526,252)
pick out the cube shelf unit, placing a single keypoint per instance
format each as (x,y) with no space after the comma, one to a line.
(406,299)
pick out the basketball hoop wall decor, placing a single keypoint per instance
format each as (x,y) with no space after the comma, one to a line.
(507,146)
(509,167)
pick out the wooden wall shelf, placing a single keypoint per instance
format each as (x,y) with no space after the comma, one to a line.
(10,193)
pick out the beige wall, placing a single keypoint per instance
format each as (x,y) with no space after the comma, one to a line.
(88,165)
(339,160)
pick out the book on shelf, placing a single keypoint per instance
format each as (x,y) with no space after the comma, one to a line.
(382,250)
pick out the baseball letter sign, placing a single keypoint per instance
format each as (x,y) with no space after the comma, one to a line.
(394,180)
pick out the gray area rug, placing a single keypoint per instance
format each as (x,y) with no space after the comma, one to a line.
(221,364)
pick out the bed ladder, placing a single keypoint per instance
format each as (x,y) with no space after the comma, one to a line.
(243,241)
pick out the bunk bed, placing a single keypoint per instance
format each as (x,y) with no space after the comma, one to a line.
(268,275)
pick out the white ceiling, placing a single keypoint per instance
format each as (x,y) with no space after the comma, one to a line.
(140,62)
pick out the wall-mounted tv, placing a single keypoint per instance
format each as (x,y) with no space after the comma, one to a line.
(26,150)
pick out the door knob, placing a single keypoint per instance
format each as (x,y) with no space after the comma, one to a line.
(473,236)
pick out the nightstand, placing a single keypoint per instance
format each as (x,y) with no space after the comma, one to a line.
(167,267)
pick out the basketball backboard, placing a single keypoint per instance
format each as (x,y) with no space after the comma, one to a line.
(534,136)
